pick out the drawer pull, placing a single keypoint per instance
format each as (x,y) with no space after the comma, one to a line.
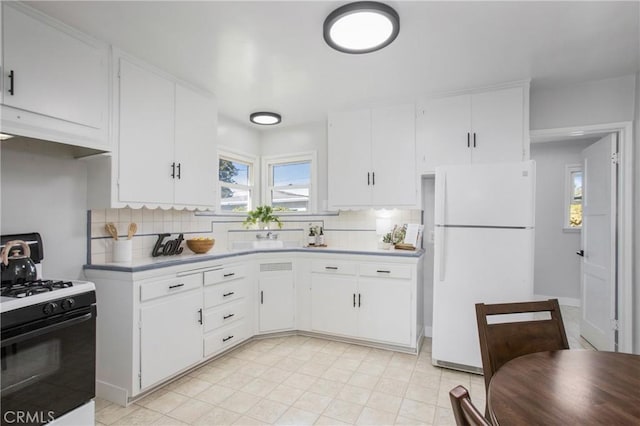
(229,275)
(227,316)
(383,271)
(227,338)
(200,312)
(359,299)
(231,293)
(332,268)
(354,300)
(171,287)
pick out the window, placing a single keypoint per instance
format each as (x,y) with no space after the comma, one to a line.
(573,197)
(289,182)
(236,180)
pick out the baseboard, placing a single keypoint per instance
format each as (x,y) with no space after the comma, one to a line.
(564,301)
(428,331)
(112,393)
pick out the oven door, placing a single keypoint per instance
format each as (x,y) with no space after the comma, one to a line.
(48,367)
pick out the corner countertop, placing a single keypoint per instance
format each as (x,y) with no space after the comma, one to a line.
(146,264)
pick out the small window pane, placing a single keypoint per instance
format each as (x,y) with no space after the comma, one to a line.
(291,199)
(233,172)
(292,174)
(575,215)
(576,186)
(234,200)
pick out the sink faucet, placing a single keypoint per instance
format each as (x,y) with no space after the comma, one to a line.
(269,236)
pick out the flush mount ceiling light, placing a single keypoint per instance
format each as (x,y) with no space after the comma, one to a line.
(361,27)
(265,118)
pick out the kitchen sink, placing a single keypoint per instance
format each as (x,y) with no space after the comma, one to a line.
(261,244)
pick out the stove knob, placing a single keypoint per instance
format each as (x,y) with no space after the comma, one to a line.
(67,303)
(49,308)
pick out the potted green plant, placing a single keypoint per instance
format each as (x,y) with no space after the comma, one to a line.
(261,216)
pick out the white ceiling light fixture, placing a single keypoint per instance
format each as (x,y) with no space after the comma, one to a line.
(361,27)
(265,118)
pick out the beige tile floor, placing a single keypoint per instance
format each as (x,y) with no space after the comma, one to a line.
(299,380)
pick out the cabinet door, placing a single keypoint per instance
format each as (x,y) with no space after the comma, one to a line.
(442,130)
(498,125)
(332,304)
(146,135)
(55,73)
(277,301)
(393,153)
(170,336)
(349,158)
(195,149)
(384,310)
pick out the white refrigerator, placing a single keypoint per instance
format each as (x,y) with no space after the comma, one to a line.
(483,251)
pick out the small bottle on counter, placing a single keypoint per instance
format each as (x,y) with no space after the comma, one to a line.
(320,238)
(311,239)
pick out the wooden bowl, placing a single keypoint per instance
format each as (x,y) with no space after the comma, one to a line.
(200,246)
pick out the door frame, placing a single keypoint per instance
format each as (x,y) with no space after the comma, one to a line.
(624,195)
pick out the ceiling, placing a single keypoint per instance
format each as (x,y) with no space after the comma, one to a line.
(266,55)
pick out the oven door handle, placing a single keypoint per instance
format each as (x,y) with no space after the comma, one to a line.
(48,329)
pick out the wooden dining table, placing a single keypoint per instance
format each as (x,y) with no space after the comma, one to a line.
(567,387)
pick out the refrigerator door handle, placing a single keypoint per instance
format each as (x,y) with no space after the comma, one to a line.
(443,200)
(441,251)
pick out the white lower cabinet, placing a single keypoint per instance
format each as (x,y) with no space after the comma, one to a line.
(277,296)
(371,301)
(170,336)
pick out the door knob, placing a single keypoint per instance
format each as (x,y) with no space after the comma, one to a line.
(580,253)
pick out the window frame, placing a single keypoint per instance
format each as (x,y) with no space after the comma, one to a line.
(269,161)
(253,164)
(569,169)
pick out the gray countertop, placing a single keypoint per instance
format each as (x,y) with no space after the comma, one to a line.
(146,264)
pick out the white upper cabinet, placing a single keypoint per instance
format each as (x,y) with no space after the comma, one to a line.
(371,158)
(55,80)
(165,155)
(480,127)
(146,135)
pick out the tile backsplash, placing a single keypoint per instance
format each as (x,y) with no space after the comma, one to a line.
(346,229)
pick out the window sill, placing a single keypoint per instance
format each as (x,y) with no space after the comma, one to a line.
(571,230)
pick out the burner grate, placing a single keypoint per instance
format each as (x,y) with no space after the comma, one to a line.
(33,287)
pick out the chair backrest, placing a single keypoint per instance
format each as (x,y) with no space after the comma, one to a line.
(464,411)
(501,342)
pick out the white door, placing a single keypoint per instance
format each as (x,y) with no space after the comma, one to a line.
(147,103)
(195,149)
(384,310)
(170,336)
(54,73)
(333,304)
(393,154)
(497,126)
(443,134)
(277,301)
(349,152)
(598,244)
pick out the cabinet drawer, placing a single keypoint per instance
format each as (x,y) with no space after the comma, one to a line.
(218,294)
(333,267)
(385,270)
(224,314)
(224,338)
(224,274)
(154,289)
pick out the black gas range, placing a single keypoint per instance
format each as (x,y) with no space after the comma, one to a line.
(48,334)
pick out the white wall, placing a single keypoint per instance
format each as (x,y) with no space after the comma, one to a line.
(595,102)
(557,267)
(302,138)
(237,137)
(44,189)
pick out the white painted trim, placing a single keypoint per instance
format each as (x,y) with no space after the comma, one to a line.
(624,213)
(563,301)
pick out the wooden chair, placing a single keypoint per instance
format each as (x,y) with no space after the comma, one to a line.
(464,411)
(501,342)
